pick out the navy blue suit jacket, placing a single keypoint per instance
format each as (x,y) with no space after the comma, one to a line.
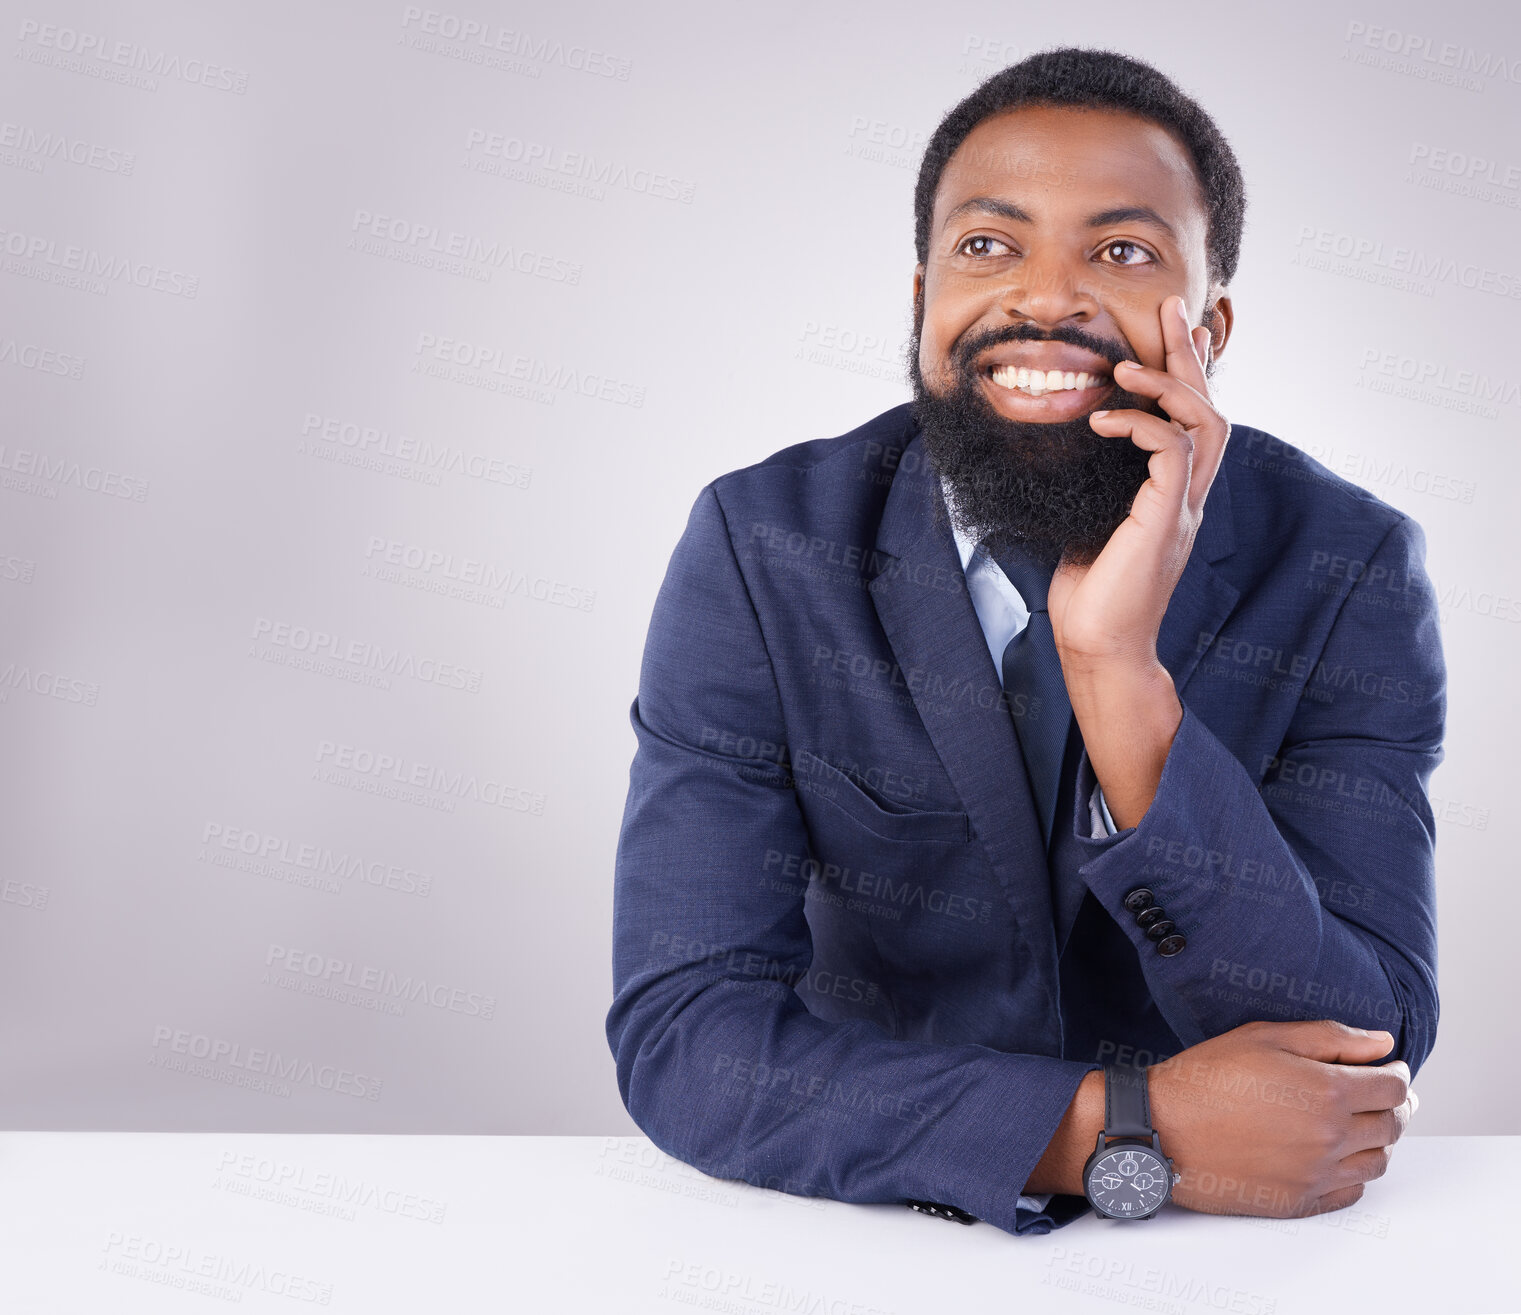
(835,967)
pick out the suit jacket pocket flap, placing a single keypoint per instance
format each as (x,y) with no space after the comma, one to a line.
(887,819)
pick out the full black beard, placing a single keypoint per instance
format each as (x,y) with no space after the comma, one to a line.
(1058,489)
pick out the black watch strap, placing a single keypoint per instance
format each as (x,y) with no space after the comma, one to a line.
(1127,1107)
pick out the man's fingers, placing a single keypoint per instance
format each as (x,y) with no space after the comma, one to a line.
(1187,409)
(1201,346)
(1146,430)
(1179,398)
(1376,1087)
(1337,1200)
(1182,390)
(1376,1128)
(1361,1167)
(1155,435)
(1179,344)
(1170,467)
(1331,1042)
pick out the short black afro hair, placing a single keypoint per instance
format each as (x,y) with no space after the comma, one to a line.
(1099,79)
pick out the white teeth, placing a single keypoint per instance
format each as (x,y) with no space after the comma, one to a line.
(1037,383)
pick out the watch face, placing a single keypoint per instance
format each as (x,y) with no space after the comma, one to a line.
(1128,1182)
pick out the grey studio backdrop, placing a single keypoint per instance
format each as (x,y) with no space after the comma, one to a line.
(361,363)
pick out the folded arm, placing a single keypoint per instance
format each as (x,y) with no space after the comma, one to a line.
(719,1061)
(1305,887)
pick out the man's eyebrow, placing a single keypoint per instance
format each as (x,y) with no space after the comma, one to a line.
(988,205)
(994,205)
(1131,214)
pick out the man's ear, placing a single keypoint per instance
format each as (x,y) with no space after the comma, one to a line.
(1218,319)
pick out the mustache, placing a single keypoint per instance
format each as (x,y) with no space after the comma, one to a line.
(968,348)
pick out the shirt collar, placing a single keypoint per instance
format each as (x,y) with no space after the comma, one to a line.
(965,544)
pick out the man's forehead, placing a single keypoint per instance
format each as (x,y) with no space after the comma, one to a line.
(1052,152)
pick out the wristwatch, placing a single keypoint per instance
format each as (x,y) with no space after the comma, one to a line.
(1127,1176)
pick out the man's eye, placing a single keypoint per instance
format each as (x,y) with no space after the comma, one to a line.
(981,237)
(1130,246)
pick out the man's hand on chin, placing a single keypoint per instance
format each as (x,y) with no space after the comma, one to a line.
(1105,617)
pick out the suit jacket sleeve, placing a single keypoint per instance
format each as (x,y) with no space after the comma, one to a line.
(719,1061)
(1305,884)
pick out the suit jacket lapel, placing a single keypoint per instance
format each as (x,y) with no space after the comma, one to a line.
(927,614)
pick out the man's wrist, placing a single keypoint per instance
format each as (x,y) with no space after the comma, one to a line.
(1159,1096)
(1128,718)
(1061,1167)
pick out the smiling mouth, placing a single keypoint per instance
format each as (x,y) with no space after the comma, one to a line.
(1043,383)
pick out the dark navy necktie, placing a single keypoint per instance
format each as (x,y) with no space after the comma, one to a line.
(1032,679)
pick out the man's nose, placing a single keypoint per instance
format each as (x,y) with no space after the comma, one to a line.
(1043,287)
(1051,286)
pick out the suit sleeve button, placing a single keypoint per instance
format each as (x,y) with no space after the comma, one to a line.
(1148,918)
(1170,945)
(1138,899)
(1160,931)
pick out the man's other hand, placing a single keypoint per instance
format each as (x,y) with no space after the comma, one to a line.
(1280,1119)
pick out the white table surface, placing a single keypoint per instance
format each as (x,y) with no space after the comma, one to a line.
(128,1222)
